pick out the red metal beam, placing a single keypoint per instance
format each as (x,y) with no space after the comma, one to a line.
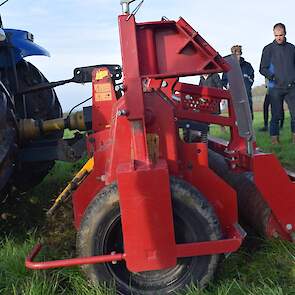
(68,262)
(182,250)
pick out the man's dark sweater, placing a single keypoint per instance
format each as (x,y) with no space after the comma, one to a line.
(213,80)
(248,75)
(278,64)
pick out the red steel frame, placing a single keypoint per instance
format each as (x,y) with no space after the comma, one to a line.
(156,54)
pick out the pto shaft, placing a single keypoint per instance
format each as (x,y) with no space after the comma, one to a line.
(30,128)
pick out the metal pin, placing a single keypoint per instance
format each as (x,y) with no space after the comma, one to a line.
(114,261)
(289,226)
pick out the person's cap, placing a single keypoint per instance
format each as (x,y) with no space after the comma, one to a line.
(236,49)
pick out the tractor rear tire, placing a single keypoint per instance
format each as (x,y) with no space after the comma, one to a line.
(194,221)
(40,105)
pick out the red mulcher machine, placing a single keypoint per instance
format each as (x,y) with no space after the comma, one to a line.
(157,208)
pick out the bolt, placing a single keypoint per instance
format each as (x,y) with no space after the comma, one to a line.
(289,227)
(122,113)
(114,261)
(164,84)
(120,87)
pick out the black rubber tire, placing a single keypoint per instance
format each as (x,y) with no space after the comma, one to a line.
(100,233)
(43,105)
(7,141)
(253,210)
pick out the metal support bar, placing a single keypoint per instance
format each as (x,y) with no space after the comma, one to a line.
(68,262)
(182,250)
(209,248)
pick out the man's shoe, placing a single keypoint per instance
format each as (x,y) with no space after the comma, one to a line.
(275,140)
(263,129)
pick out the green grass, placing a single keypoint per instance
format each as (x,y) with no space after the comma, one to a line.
(15,279)
(285,151)
(268,269)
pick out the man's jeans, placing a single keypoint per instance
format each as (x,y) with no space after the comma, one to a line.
(277,97)
(251,104)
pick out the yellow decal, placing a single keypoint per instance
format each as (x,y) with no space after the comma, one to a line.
(101,74)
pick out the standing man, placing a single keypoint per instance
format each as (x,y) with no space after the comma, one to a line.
(247,72)
(210,80)
(278,66)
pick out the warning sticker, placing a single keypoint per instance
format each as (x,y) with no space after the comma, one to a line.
(102,92)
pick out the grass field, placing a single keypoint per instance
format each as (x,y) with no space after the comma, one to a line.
(266,269)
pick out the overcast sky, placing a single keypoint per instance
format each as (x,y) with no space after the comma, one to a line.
(84,32)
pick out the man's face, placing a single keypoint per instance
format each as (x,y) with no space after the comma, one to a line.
(279,35)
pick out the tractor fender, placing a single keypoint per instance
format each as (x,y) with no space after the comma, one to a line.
(23,44)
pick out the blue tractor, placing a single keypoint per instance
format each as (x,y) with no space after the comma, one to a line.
(28,149)
(24,163)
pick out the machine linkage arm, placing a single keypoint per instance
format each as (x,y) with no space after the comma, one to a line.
(82,75)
